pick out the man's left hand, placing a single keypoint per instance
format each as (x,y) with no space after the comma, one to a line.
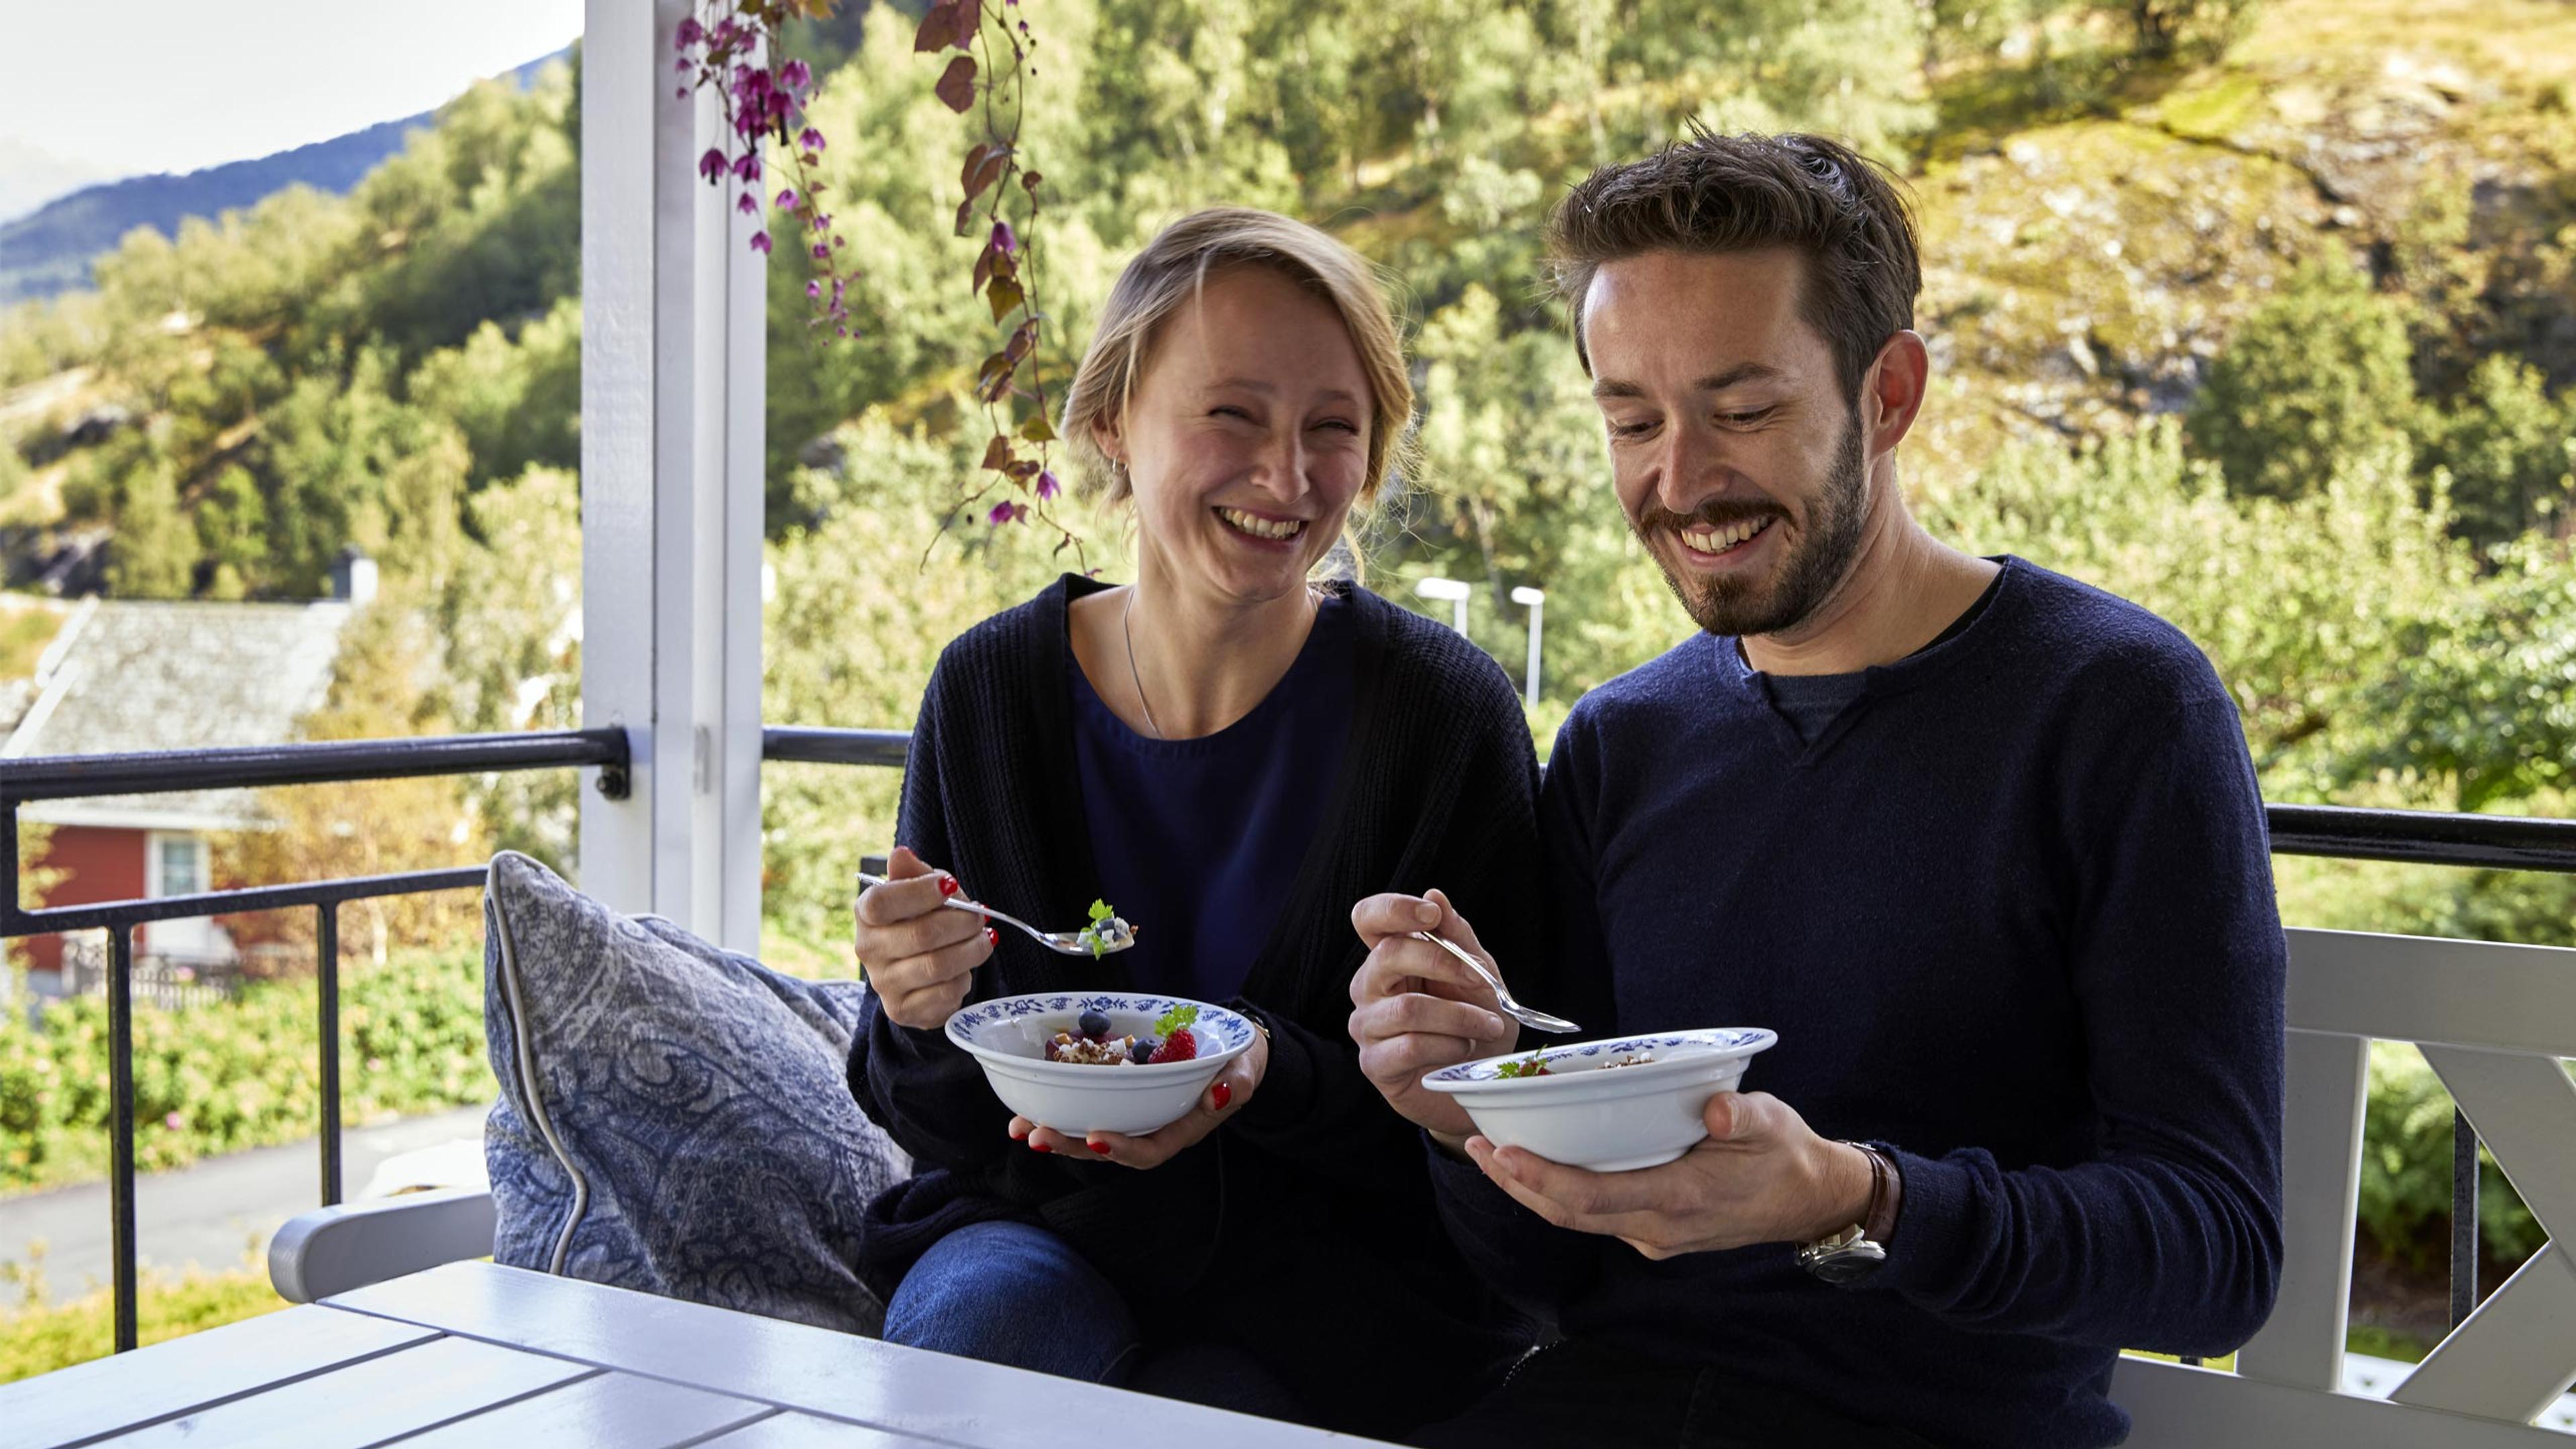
(1761,1176)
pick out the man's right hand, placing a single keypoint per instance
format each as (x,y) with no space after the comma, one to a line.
(920,958)
(1416,1009)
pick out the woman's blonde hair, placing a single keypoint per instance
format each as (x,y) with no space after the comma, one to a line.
(1174,267)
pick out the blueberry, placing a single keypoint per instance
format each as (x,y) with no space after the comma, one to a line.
(1093,1024)
(1143,1050)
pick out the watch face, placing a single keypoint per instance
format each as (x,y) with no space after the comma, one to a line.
(1847,1262)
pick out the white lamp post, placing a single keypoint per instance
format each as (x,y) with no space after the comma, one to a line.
(1536,599)
(1452,590)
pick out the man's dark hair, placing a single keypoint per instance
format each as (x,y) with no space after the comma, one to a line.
(1713,194)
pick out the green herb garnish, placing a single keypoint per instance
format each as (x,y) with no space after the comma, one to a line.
(1533,1065)
(1176,1019)
(1101,919)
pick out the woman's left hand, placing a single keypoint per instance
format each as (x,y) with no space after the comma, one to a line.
(1223,1098)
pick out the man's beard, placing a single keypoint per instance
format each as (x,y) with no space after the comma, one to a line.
(1822,555)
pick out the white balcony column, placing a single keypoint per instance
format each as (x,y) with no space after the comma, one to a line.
(672,393)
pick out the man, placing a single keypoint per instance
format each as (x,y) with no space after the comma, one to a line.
(1981,843)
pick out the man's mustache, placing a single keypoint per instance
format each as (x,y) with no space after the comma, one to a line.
(1716,513)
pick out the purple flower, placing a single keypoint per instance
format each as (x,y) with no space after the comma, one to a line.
(821,251)
(1002,513)
(821,221)
(844,331)
(680,66)
(712,164)
(810,139)
(749,205)
(747,167)
(1003,240)
(760,242)
(787,199)
(690,33)
(172,1122)
(795,76)
(1047,486)
(814,291)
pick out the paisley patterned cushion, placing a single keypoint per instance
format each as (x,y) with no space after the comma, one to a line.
(673,1118)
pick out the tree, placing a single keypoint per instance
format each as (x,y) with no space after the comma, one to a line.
(2316,376)
(154,555)
(2507,446)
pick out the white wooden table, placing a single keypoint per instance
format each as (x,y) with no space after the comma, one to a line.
(473,1354)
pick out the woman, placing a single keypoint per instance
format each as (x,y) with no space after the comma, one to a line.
(1231,754)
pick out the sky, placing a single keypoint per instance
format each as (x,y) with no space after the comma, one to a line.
(127,87)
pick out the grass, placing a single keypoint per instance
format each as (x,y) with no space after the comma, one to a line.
(25,630)
(40,1337)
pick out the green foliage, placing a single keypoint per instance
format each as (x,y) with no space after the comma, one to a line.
(2481,693)
(223,1077)
(155,552)
(2265,586)
(2406,1170)
(2510,448)
(852,630)
(2164,28)
(2318,375)
(38,1336)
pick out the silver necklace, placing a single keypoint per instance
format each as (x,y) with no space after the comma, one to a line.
(1133,677)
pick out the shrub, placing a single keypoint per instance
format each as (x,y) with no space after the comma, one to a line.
(239,1074)
(2312,378)
(2406,1171)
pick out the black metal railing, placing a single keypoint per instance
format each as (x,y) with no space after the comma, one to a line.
(85,776)
(2496,842)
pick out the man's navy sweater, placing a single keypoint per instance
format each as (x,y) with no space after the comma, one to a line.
(2011,913)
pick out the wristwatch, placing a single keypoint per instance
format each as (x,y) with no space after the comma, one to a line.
(1855,1252)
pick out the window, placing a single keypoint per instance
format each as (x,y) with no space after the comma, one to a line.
(183,865)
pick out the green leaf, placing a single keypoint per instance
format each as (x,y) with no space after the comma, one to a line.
(1037,429)
(1005,295)
(1174,1020)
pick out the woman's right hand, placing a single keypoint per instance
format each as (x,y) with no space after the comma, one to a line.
(1416,1009)
(920,958)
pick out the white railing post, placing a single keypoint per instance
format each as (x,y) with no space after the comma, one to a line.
(673,384)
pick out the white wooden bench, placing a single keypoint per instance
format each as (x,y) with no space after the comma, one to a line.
(2493,1020)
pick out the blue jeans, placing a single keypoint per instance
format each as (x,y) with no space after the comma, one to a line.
(1013,1294)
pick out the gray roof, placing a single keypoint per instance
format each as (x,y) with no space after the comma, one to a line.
(129,675)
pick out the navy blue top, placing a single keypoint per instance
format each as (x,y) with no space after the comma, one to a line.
(1198,841)
(2011,913)
(1810,701)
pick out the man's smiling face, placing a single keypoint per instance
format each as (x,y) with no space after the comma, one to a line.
(1737,458)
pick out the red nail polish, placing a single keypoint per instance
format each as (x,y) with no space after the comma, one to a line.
(1100,1147)
(992,936)
(948,885)
(1037,1146)
(1222,1094)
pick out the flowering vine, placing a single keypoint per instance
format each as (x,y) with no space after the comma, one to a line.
(764,102)
(999,187)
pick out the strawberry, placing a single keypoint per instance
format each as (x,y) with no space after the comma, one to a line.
(1180,1046)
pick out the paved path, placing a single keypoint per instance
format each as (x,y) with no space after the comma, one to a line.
(218,1214)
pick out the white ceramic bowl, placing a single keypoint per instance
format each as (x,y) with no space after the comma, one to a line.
(1008,1037)
(1587,1113)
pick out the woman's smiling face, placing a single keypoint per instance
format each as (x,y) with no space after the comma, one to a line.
(1247,437)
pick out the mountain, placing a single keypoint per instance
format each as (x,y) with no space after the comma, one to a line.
(49,251)
(31,176)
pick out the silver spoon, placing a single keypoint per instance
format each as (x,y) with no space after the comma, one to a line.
(1113,934)
(1502,994)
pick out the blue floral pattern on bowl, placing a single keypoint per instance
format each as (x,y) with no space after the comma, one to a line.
(1218,1030)
(1711,1044)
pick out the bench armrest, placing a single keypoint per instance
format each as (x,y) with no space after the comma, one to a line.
(334,1249)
